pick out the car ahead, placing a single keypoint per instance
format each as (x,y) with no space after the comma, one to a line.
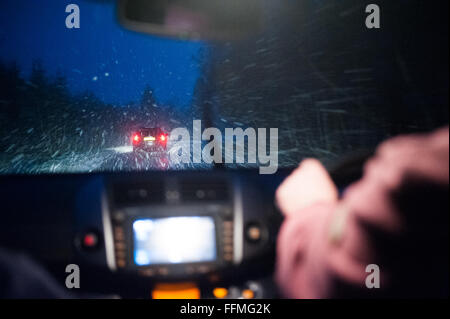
(150,139)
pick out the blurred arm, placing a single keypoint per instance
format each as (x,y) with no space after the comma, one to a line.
(396,217)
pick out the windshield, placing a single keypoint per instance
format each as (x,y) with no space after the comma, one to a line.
(72,99)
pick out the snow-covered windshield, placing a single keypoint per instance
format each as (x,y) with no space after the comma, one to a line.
(71,99)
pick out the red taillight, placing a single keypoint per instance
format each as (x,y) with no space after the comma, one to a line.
(162,138)
(136,138)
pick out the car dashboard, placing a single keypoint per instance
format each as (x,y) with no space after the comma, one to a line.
(130,233)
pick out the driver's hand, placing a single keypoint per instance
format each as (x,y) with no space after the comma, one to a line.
(309,184)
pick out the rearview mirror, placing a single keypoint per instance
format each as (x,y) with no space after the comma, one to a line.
(192,19)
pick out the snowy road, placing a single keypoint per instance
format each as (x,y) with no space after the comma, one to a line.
(17,160)
(120,158)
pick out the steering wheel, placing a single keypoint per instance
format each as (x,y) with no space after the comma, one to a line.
(350,168)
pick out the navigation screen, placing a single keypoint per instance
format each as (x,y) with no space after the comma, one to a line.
(174,240)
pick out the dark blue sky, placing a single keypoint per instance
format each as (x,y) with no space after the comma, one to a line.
(114,63)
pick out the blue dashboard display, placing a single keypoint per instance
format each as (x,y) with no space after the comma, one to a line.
(174,240)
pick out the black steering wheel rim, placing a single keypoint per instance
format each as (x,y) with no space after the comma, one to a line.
(350,168)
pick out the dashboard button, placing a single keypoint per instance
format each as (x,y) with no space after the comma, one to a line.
(248,294)
(90,240)
(254,233)
(163,271)
(220,293)
(119,233)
